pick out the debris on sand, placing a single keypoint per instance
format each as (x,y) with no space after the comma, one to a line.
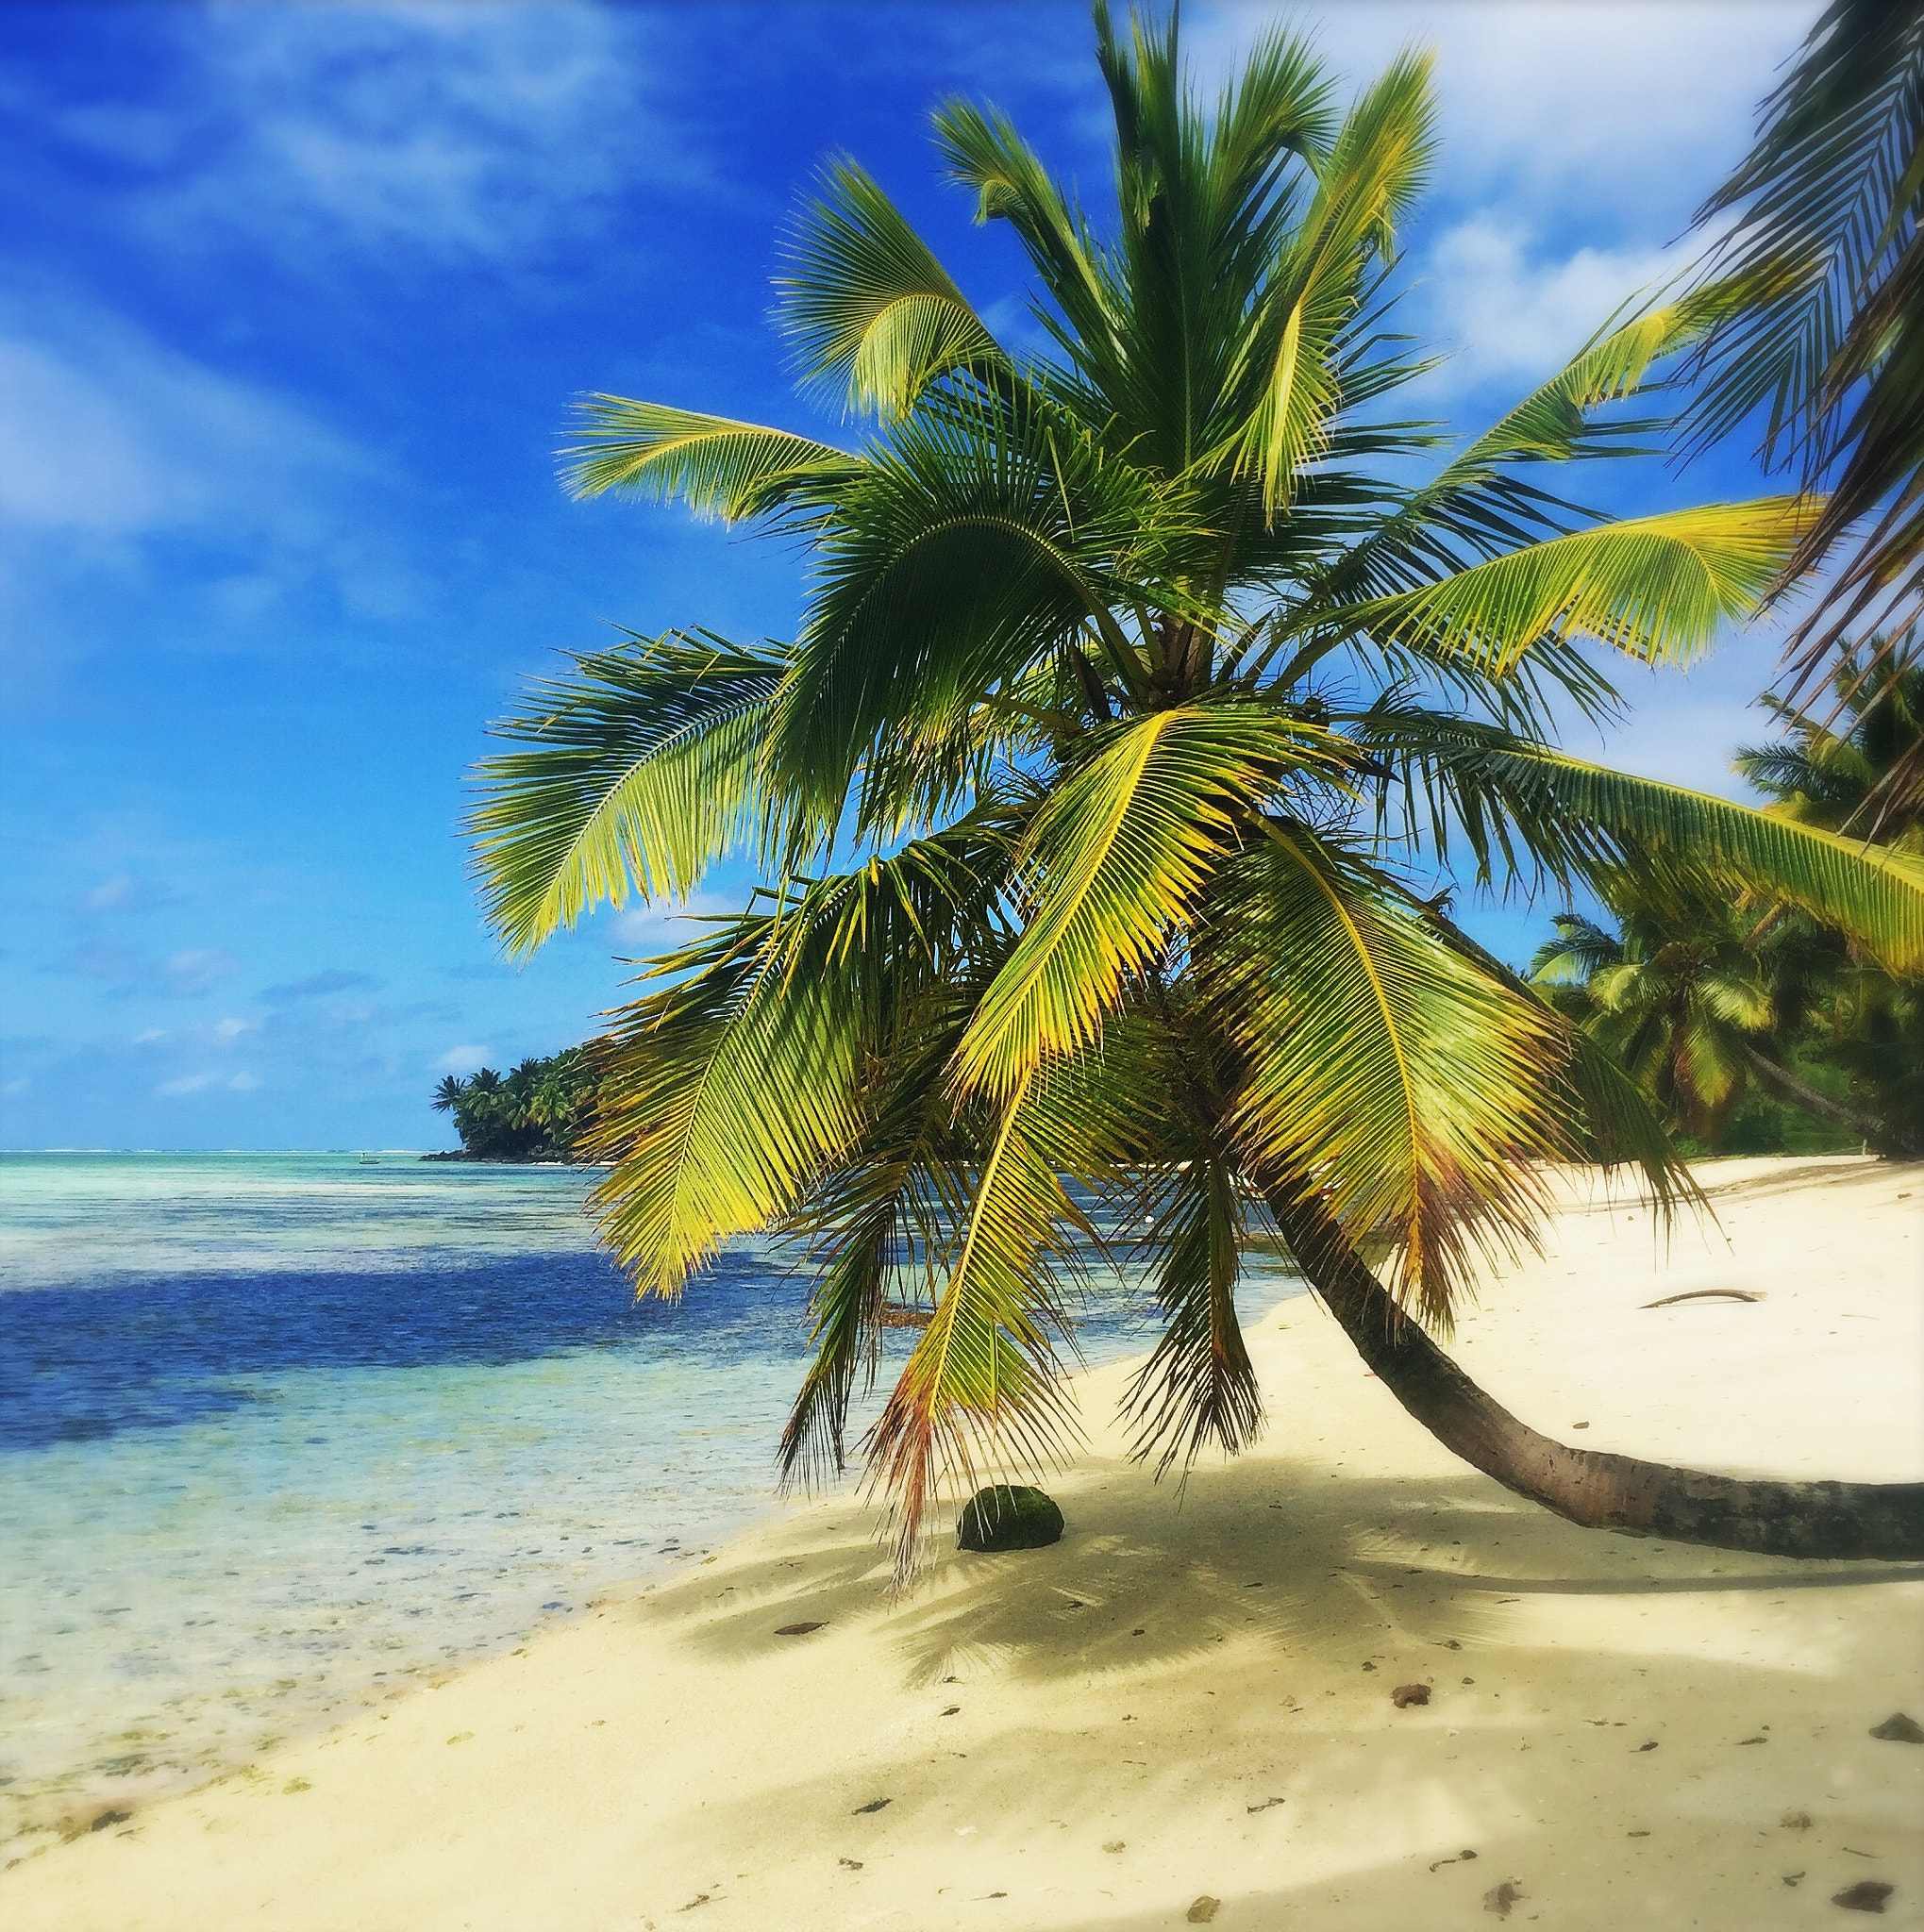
(1406,1694)
(1867,1895)
(1898,1729)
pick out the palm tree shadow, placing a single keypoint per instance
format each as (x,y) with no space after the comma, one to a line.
(1279,1552)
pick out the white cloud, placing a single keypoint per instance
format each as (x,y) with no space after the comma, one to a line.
(106,432)
(1505,316)
(649,929)
(230,1028)
(461,1059)
(197,968)
(110,893)
(187,1083)
(13,1089)
(242,1083)
(437,130)
(1623,106)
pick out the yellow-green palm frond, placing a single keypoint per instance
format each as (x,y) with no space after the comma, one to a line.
(718,467)
(877,1222)
(642,770)
(1655,587)
(983,541)
(870,309)
(1197,1387)
(1113,864)
(981,1391)
(1869,893)
(721,1098)
(1386,1070)
(1556,422)
(984,153)
(726,1096)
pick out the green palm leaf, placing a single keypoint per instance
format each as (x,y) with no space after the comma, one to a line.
(982,1384)
(1655,587)
(1114,863)
(1873,895)
(644,772)
(869,307)
(1386,1069)
(724,1096)
(1197,1387)
(718,467)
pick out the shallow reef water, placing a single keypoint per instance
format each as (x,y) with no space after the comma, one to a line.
(280,1434)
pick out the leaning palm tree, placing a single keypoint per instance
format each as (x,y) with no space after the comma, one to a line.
(1136,688)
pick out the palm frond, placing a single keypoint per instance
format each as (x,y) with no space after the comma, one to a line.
(1386,1070)
(1581,950)
(1823,217)
(642,772)
(718,467)
(1655,587)
(981,544)
(1197,1387)
(1612,821)
(1114,863)
(982,1385)
(721,1098)
(868,305)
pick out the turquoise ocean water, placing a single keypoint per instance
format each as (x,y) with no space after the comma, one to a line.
(281,1433)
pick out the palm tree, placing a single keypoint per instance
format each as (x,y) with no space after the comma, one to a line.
(1693,998)
(449,1094)
(1821,225)
(1677,1002)
(1135,681)
(1867,779)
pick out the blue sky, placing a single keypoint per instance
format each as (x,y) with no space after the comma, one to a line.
(292,303)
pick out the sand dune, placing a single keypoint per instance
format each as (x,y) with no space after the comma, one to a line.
(1189,1699)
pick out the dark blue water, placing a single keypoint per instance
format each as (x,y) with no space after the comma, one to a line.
(84,1363)
(279,1433)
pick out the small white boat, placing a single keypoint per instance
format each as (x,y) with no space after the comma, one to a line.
(367,1161)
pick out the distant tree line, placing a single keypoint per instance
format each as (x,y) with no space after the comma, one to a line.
(538,1111)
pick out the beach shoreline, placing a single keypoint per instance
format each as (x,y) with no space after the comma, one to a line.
(1189,1698)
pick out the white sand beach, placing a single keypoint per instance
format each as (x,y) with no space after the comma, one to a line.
(1188,1700)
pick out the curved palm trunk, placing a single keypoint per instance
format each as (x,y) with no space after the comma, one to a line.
(1885,1139)
(1588,1487)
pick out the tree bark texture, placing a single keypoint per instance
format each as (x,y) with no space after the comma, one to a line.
(1589,1486)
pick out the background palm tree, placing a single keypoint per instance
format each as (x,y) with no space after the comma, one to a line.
(1696,998)
(1867,778)
(1134,688)
(1862,774)
(1677,998)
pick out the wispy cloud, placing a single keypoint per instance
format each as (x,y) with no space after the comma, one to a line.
(1507,314)
(1618,109)
(438,131)
(185,975)
(461,1059)
(319,986)
(105,431)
